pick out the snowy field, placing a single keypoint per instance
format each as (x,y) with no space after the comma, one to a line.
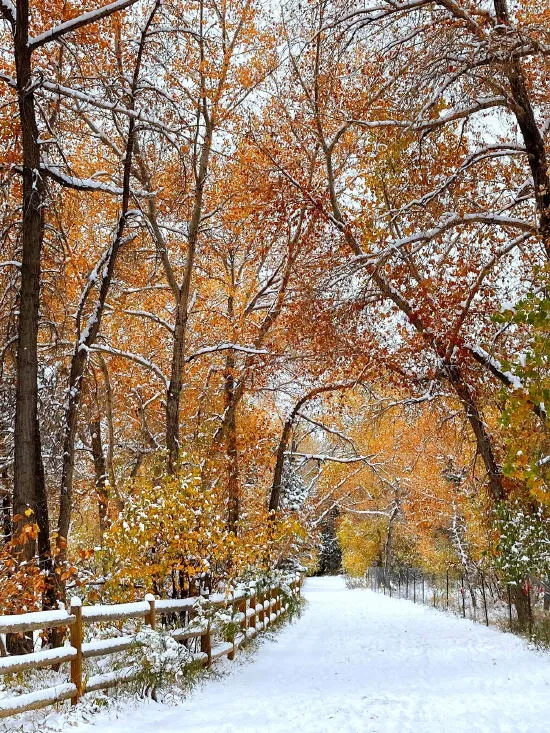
(357,662)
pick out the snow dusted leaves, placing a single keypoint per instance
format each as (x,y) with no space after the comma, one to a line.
(159,660)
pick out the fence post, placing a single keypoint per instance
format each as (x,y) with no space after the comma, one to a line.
(463,593)
(151,618)
(407,583)
(414,586)
(206,645)
(253,604)
(261,614)
(76,635)
(447,590)
(529,607)
(233,608)
(484,600)
(242,609)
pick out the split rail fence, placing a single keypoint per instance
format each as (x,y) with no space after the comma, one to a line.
(250,613)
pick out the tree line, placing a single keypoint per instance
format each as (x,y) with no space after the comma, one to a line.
(260,265)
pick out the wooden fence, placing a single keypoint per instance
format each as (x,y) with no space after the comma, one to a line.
(250,613)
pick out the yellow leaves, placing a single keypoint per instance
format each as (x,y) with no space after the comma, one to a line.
(26,531)
(172,532)
(361,545)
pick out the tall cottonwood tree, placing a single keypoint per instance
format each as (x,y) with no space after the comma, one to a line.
(29,482)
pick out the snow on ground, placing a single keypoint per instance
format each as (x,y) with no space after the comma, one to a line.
(359,662)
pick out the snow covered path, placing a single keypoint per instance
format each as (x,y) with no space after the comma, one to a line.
(359,662)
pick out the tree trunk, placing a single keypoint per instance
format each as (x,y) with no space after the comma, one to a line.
(29,485)
(87,336)
(100,469)
(277,484)
(532,136)
(520,599)
(232,451)
(110,427)
(5,497)
(173,393)
(482,436)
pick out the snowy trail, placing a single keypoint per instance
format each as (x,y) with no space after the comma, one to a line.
(359,662)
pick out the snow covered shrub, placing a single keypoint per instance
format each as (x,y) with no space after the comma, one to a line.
(355,582)
(220,620)
(172,538)
(294,489)
(523,542)
(159,660)
(295,604)
(170,535)
(226,625)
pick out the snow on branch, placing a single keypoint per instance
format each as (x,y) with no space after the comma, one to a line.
(85,184)
(462,113)
(454,220)
(11,263)
(426,125)
(451,221)
(151,316)
(79,22)
(487,152)
(506,377)
(225,347)
(428,396)
(141,360)
(98,103)
(495,367)
(322,457)
(364,512)
(326,428)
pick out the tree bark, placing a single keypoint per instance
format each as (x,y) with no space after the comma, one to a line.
(532,137)
(110,426)
(5,508)
(232,450)
(521,603)
(482,436)
(29,485)
(277,483)
(173,394)
(100,469)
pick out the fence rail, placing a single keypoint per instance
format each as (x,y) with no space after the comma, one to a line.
(251,613)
